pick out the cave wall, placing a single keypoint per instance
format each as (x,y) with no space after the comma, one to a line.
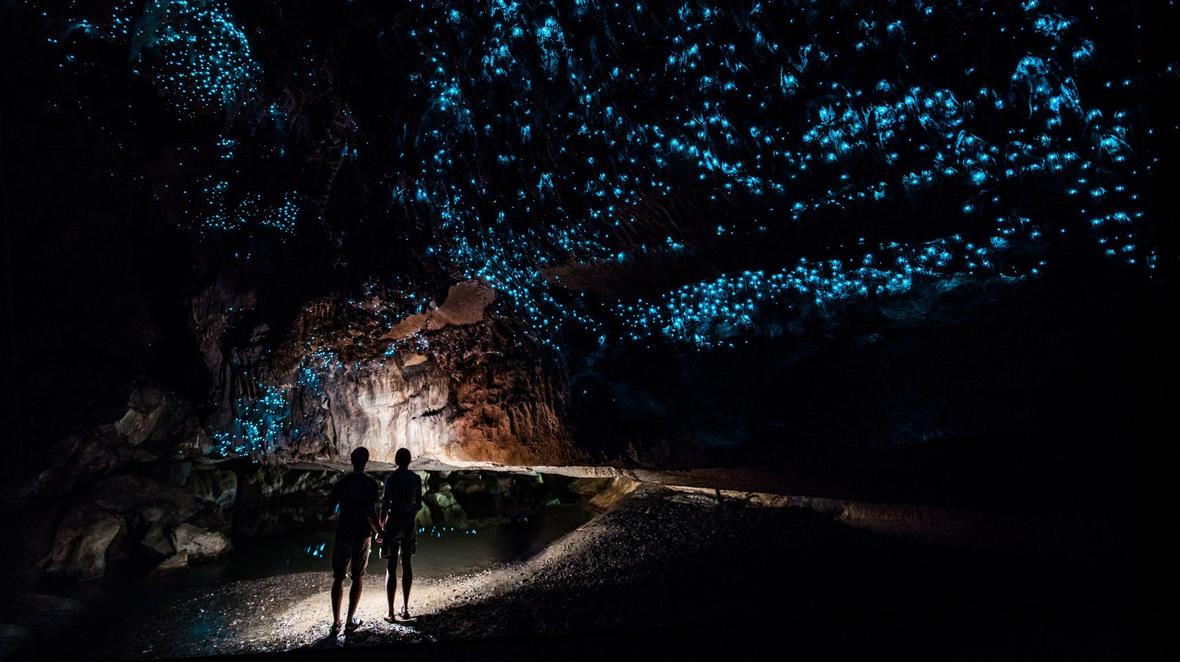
(495,412)
(455,382)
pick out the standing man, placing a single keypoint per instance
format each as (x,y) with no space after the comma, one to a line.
(399,511)
(356,496)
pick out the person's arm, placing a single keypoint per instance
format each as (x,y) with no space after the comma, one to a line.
(375,524)
(383,514)
(333,501)
(374,518)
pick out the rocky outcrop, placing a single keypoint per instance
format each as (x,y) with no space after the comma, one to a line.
(83,544)
(214,486)
(444,509)
(145,500)
(385,406)
(159,434)
(157,540)
(455,383)
(603,493)
(501,412)
(176,562)
(133,488)
(465,304)
(199,544)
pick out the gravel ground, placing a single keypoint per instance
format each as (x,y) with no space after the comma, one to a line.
(660,560)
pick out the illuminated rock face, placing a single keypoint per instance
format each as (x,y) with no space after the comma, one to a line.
(450,382)
(386,409)
(494,413)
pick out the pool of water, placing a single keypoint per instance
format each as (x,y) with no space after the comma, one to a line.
(441,550)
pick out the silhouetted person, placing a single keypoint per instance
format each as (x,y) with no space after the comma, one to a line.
(357,496)
(399,510)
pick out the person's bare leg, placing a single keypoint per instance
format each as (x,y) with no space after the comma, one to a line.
(337,595)
(407,580)
(354,595)
(391,584)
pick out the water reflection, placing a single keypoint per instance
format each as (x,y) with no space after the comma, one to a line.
(442,550)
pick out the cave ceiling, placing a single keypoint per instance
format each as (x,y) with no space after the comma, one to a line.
(686,173)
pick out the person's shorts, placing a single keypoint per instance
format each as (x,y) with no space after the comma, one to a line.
(401,535)
(351,556)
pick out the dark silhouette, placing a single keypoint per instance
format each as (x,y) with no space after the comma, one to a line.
(399,510)
(356,496)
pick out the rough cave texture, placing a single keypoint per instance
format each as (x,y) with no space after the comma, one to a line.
(677,235)
(450,383)
(908,263)
(144,492)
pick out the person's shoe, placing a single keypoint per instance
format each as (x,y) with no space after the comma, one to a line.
(405,615)
(352,626)
(334,630)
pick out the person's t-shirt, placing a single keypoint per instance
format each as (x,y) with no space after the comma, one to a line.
(403,493)
(356,493)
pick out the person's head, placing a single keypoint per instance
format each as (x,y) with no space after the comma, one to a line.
(402,457)
(359,457)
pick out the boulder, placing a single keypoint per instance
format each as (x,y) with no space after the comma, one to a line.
(163,421)
(137,426)
(588,487)
(439,501)
(178,561)
(83,543)
(618,488)
(97,452)
(423,517)
(200,544)
(131,494)
(444,509)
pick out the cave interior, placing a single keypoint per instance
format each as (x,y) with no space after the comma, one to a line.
(835,326)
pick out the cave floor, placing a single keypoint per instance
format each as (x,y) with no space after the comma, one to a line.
(699,572)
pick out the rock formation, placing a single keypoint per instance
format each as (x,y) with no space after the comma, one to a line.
(455,382)
(84,541)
